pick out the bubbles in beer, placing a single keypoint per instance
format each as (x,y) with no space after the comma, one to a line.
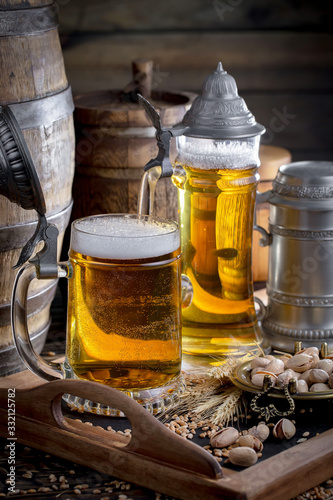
(124,236)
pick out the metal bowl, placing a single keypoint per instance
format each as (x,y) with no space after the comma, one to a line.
(241,378)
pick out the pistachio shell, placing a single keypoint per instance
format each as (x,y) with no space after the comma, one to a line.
(243,456)
(251,442)
(285,358)
(284,429)
(275,366)
(306,376)
(318,376)
(259,362)
(257,369)
(299,362)
(319,387)
(314,360)
(296,375)
(284,377)
(261,431)
(311,350)
(325,364)
(225,437)
(302,386)
(247,440)
(258,378)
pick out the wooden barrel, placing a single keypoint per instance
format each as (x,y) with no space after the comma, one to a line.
(271,157)
(114,141)
(33,82)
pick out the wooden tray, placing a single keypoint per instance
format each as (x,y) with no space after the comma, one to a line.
(153,457)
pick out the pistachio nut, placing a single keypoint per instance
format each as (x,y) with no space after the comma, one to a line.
(325,364)
(251,442)
(247,440)
(225,437)
(284,429)
(275,366)
(319,387)
(310,350)
(258,378)
(299,362)
(284,377)
(317,375)
(302,386)
(285,358)
(261,431)
(259,362)
(243,456)
(257,369)
(306,376)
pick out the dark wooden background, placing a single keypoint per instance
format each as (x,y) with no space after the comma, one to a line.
(279,51)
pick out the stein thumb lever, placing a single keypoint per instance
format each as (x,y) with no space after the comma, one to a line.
(163,137)
(46,260)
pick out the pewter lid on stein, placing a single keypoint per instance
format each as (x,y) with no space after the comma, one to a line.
(219,112)
(305,179)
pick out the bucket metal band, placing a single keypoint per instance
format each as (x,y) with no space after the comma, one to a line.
(12,237)
(28,21)
(44,111)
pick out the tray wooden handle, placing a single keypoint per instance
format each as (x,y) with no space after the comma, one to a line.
(150,438)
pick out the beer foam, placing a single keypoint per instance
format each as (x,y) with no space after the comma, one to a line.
(210,154)
(124,236)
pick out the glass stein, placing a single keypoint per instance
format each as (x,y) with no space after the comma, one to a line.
(216,173)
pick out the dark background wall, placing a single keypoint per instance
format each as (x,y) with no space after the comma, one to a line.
(279,51)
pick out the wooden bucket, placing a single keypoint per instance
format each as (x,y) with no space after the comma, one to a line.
(114,141)
(271,157)
(34,84)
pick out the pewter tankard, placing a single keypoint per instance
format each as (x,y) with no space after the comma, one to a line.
(300,272)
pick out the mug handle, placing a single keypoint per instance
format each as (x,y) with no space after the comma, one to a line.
(47,370)
(266,238)
(261,314)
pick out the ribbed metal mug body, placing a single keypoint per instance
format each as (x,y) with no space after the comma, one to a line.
(300,273)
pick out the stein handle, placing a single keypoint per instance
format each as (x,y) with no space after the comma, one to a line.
(45,369)
(266,239)
(261,314)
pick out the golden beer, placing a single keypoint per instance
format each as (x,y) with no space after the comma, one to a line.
(124,304)
(216,219)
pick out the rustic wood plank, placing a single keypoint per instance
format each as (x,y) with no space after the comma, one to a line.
(290,472)
(32,66)
(259,61)
(105,15)
(23,4)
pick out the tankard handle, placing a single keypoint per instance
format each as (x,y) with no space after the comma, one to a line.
(19,319)
(266,239)
(43,266)
(261,314)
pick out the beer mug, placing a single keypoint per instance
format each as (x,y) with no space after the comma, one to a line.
(124,310)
